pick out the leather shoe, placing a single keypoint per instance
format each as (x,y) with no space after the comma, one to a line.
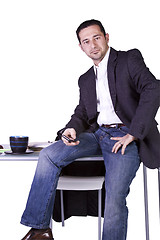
(40,234)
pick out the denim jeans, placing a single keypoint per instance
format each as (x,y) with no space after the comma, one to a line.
(120,171)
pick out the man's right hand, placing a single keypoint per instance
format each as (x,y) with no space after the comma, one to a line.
(71,134)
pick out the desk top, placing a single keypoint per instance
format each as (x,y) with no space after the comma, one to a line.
(34,157)
(19,157)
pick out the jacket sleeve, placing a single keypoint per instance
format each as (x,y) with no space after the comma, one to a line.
(148,89)
(79,120)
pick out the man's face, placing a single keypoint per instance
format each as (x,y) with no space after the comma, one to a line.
(94,43)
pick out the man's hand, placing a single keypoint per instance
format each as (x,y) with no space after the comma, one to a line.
(71,134)
(122,142)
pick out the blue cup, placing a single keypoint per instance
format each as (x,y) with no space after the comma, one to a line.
(19,144)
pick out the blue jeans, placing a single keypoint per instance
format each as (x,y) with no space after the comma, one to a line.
(120,171)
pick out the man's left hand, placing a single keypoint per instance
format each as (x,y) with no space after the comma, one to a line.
(122,142)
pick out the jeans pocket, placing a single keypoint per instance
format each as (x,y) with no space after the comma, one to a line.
(124,130)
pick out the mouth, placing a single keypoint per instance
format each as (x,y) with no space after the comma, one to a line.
(95,52)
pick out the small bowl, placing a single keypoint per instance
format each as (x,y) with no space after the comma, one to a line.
(18,144)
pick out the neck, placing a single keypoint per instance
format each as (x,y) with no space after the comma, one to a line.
(97,61)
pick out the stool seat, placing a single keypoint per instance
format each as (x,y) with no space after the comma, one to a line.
(80,183)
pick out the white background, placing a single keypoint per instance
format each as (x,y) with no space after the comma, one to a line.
(40,63)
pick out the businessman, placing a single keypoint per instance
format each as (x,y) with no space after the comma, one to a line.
(119,98)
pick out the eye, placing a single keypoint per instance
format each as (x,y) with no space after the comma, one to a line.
(86,42)
(97,38)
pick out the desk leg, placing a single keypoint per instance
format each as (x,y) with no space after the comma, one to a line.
(146,202)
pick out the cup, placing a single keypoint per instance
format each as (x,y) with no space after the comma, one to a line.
(18,144)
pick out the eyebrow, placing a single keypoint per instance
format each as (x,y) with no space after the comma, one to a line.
(97,35)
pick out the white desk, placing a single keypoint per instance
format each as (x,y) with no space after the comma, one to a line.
(34,157)
(19,157)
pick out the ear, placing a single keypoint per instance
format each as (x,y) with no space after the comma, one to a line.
(107,37)
(81,47)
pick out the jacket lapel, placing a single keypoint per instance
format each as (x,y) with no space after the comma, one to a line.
(111,75)
(91,96)
(91,103)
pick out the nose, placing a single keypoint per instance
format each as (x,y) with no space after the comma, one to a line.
(93,44)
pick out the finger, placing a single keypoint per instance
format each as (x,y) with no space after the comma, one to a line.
(125,144)
(123,149)
(68,140)
(71,143)
(116,147)
(72,133)
(65,142)
(116,138)
(74,143)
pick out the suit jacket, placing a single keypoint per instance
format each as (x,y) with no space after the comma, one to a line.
(135,94)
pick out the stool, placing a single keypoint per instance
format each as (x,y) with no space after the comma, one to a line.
(146,199)
(81,184)
(100,158)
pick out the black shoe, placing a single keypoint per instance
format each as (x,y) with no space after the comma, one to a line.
(39,234)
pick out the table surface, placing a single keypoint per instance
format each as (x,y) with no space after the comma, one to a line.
(19,157)
(34,157)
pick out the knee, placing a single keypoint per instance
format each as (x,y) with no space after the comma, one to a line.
(51,154)
(43,156)
(115,203)
(43,153)
(114,209)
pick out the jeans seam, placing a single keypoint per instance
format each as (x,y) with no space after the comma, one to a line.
(51,194)
(124,224)
(95,138)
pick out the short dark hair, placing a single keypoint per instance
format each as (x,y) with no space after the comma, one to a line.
(90,23)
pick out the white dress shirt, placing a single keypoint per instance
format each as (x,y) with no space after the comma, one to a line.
(105,107)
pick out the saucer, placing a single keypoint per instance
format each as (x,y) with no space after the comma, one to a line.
(27,152)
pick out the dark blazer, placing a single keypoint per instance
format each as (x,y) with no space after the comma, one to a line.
(135,95)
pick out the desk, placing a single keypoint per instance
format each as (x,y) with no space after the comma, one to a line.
(19,157)
(87,202)
(76,203)
(34,157)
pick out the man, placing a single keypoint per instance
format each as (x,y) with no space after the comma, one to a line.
(119,99)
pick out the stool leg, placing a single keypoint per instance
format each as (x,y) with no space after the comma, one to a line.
(62,207)
(159,188)
(146,202)
(99,213)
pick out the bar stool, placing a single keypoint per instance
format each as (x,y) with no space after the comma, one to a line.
(81,184)
(63,179)
(146,199)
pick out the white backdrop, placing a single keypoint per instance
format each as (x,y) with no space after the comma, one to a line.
(40,63)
